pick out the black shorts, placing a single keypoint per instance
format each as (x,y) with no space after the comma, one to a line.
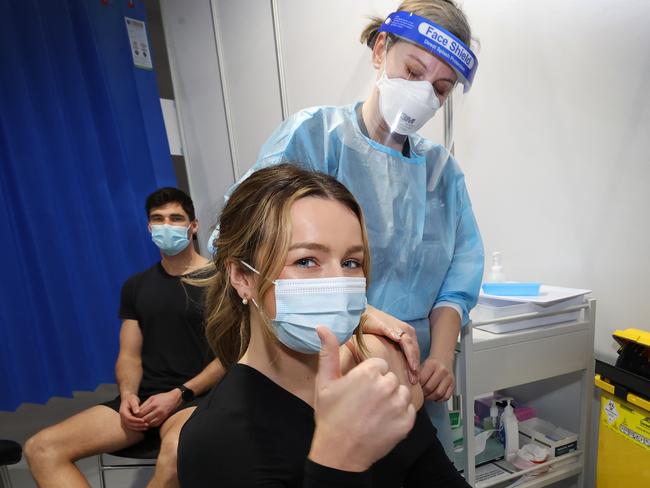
(152,433)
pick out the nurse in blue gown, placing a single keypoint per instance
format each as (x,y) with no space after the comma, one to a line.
(426,249)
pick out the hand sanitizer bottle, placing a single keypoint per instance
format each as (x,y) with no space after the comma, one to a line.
(496,274)
(511,430)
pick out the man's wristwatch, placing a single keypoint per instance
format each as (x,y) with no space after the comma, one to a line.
(186,393)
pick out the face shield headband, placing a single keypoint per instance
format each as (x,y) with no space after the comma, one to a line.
(436,40)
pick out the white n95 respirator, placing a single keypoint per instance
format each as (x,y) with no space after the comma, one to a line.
(406,105)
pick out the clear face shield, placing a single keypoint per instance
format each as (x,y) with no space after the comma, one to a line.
(426,71)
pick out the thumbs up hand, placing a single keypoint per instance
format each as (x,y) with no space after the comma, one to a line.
(360,416)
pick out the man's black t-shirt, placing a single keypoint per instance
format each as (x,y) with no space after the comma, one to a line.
(251,432)
(170,315)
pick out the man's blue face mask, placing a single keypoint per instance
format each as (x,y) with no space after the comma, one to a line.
(303,304)
(171,239)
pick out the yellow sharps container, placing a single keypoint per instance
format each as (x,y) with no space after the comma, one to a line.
(624,435)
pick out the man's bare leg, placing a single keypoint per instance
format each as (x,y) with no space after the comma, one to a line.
(51,453)
(166,475)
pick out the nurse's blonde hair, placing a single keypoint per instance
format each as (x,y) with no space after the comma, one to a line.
(255,227)
(445,13)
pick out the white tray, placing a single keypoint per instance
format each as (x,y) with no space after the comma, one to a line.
(530,323)
(493,308)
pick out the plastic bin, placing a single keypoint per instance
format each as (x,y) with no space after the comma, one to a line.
(624,434)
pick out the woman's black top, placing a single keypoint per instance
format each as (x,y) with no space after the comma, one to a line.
(251,432)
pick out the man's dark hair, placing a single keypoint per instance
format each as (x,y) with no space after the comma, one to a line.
(163,196)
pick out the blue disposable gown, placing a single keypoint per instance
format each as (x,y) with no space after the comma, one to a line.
(426,249)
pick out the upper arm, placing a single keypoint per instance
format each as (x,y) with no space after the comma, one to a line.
(127,299)
(130,339)
(380,347)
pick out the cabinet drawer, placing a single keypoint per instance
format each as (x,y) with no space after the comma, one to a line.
(515,364)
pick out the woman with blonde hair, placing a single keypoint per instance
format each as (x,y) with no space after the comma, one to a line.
(290,282)
(426,248)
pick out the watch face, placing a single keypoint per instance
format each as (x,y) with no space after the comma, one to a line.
(186,393)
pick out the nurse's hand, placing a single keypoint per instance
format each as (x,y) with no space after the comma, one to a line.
(437,378)
(374,321)
(360,416)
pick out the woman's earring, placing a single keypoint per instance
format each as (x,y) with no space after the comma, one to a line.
(245,301)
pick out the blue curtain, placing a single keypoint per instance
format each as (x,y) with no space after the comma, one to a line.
(82,143)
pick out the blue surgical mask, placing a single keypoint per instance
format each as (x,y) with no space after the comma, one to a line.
(303,304)
(171,239)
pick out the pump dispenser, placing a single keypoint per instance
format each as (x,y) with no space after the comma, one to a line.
(510,428)
(496,274)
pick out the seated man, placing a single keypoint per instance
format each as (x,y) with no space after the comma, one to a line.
(164,362)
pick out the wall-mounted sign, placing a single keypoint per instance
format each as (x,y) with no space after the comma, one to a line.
(137,31)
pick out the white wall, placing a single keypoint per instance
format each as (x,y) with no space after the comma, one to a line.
(325,64)
(556,150)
